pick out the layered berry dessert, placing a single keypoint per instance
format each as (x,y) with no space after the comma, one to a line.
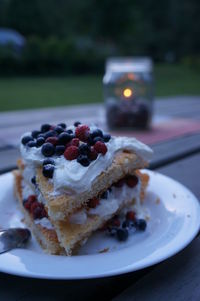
(74,180)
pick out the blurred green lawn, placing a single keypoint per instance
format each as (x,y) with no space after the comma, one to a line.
(33,92)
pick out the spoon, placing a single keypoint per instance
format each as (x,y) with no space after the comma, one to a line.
(13,238)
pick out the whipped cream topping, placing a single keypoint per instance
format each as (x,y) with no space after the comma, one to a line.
(70,175)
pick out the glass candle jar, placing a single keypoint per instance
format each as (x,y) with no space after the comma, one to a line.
(128,92)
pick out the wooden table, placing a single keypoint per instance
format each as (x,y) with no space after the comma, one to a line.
(176,278)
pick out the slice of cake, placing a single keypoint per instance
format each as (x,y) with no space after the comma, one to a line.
(81,178)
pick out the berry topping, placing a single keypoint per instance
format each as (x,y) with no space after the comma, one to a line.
(64,138)
(48,149)
(45,127)
(26,139)
(126,224)
(77,123)
(74,142)
(35,134)
(32,198)
(40,141)
(60,149)
(93,202)
(97,139)
(71,153)
(59,129)
(38,211)
(28,202)
(84,149)
(97,133)
(106,137)
(48,161)
(131,181)
(119,183)
(50,133)
(33,180)
(100,147)
(69,131)
(82,132)
(122,234)
(52,140)
(93,154)
(48,170)
(83,160)
(63,125)
(130,215)
(31,144)
(140,224)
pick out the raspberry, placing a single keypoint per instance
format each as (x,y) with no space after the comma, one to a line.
(52,140)
(93,202)
(82,132)
(100,147)
(93,154)
(71,153)
(27,203)
(120,183)
(131,181)
(74,142)
(31,198)
(130,215)
(33,206)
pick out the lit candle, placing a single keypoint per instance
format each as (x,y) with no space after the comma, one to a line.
(127,93)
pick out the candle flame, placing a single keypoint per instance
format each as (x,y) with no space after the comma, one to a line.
(127,92)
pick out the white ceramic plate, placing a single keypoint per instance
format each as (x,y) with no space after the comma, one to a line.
(175,220)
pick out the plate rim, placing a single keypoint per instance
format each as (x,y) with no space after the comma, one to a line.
(118,271)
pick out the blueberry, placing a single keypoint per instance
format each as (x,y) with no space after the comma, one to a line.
(83,160)
(26,139)
(97,133)
(77,123)
(59,129)
(45,127)
(31,144)
(90,140)
(48,161)
(98,139)
(48,171)
(33,180)
(64,138)
(69,131)
(140,224)
(63,125)
(104,195)
(48,149)
(84,149)
(106,137)
(60,149)
(50,133)
(35,134)
(126,224)
(40,141)
(122,234)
